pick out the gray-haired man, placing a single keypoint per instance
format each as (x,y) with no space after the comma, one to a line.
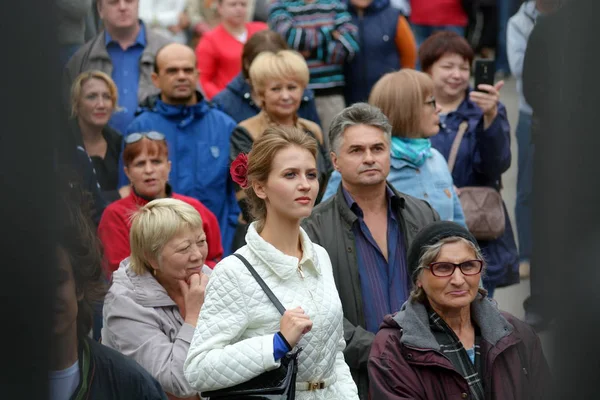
(366,228)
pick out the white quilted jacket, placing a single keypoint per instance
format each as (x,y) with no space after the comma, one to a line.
(233,341)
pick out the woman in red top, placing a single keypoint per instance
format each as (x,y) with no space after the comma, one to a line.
(147,166)
(219,51)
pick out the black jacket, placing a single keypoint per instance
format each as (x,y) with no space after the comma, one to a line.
(108,374)
(330,225)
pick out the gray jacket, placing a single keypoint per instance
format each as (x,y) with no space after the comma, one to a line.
(94,56)
(518,30)
(330,225)
(143,322)
(71,20)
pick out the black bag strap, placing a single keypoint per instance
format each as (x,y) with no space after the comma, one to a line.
(262,284)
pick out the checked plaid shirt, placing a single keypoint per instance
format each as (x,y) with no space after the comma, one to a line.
(453,349)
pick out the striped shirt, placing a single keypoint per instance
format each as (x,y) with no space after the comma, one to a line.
(308,28)
(384,283)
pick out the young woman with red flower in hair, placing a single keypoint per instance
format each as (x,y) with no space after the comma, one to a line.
(238,324)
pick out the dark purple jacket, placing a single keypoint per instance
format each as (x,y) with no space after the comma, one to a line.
(483,156)
(406,363)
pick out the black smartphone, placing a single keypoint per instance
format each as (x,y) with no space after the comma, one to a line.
(484,73)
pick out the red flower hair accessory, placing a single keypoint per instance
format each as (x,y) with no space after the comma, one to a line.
(239,170)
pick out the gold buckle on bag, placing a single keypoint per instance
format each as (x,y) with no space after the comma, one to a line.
(316,386)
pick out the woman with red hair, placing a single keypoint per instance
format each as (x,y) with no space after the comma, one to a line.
(147,166)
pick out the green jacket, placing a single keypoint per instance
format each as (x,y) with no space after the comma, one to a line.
(330,225)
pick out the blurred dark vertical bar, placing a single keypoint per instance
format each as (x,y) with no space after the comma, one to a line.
(566,253)
(30,122)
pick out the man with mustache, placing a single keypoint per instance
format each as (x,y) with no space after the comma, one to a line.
(366,228)
(197,134)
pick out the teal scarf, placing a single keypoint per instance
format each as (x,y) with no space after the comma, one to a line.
(413,151)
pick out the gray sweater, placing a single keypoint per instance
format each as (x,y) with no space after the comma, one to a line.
(71,20)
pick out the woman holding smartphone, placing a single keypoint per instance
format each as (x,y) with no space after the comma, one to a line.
(484,153)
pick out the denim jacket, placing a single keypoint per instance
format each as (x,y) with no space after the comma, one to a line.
(432,183)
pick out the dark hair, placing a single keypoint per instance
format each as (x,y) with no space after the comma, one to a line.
(77,237)
(442,43)
(266,40)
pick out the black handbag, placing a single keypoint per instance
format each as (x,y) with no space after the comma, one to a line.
(278,384)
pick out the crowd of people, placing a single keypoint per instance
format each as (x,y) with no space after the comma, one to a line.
(328,145)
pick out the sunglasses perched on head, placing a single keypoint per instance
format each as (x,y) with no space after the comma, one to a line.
(445,269)
(136,137)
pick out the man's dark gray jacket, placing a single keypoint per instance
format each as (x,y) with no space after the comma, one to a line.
(330,225)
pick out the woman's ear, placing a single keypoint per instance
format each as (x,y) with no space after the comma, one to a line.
(259,189)
(154,265)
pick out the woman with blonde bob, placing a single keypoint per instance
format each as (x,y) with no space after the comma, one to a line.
(449,340)
(278,79)
(94,98)
(239,325)
(417,169)
(153,304)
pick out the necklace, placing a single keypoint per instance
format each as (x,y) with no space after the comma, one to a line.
(269,122)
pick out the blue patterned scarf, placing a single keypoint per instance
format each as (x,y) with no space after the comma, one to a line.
(413,151)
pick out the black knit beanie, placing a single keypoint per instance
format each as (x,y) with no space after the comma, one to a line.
(430,235)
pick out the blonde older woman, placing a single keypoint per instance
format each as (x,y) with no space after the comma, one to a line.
(94,98)
(153,304)
(449,340)
(278,79)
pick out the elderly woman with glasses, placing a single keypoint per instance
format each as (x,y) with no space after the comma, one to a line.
(449,340)
(147,165)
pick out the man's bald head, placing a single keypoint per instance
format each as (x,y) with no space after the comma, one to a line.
(175,74)
(173,51)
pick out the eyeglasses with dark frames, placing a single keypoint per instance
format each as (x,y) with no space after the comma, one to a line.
(432,103)
(445,269)
(136,137)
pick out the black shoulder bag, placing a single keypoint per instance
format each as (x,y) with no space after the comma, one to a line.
(278,384)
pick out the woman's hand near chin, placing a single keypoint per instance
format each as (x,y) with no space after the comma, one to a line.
(193,296)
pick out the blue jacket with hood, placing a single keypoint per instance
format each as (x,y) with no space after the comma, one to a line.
(483,156)
(198,141)
(236,101)
(378,52)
